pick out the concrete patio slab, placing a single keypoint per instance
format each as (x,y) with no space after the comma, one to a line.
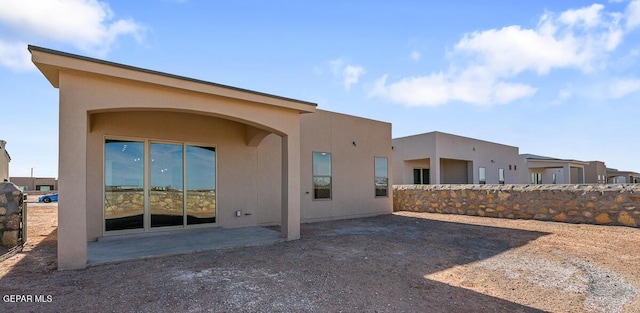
(138,246)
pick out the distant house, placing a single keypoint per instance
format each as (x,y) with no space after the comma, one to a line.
(5,158)
(142,151)
(537,169)
(441,158)
(36,183)
(614,176)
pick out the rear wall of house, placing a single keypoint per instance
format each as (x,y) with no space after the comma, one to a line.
(352,175)
(353,143)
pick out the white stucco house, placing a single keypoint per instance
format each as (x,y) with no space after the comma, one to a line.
(539,169)
(441,158)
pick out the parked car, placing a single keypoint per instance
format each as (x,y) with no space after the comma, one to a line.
(49,198)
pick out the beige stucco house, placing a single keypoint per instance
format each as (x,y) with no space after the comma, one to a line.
(615,176)
(44,184)
(144,151)
(547,170)
(5,158)
(441,158)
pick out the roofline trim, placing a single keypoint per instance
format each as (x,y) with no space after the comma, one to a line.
(174,76)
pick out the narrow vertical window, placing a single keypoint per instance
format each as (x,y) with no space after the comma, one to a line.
(501,176)
(536,178)
(482,175)
(420,176)
(381,177)
(321,175)
(553,178)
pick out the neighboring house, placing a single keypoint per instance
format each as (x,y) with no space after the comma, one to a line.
(441,158)
(36,183)
(595,173)
(538,169)
(5,158)
(615,176)
(142,151)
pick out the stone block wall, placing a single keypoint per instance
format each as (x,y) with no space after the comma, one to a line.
(602,204)
(11,204)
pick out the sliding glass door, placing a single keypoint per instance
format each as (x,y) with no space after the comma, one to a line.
(201,188)
(124,185)
(151,185)
(166,202)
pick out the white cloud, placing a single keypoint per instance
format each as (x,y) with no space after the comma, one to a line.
(439,88)
(15,55)
(622,87)
(563,95)
(587,16)
(349,74)
(89,25)
(632,14)
(415,55)
(484,63)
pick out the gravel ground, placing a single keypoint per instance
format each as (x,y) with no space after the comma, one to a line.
(405,262)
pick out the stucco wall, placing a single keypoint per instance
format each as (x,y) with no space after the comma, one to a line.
(593,170)
(353,190)
(455,171)
(590,204)
(249,178)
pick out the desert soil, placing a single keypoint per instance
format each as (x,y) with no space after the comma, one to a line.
(404,262)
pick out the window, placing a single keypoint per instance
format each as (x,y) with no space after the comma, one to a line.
(553,178)
(421,176)
(482,175)
(501,176)
(381,177)
(536,178)
(321,175)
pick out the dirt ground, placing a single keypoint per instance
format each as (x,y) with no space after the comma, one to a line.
(405,262)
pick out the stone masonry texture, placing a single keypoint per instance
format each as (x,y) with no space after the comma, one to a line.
(610,204)
(10,213)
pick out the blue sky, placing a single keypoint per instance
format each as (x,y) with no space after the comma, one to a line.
(555,78)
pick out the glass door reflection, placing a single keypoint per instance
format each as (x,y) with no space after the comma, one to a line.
(166,204)
(201,185)
(124,185)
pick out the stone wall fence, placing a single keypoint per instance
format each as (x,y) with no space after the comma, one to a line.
(602,204)
(11,205)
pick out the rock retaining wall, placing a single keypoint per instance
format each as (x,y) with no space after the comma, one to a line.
(589,204)
(10,214)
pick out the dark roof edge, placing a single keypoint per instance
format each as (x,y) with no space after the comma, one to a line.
(139,69)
